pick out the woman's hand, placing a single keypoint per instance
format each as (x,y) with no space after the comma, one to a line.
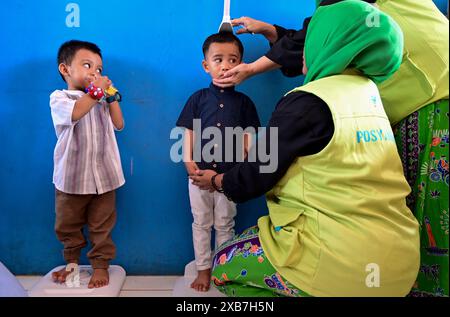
(202,179)
(234,76)
(253,26)
(243,71)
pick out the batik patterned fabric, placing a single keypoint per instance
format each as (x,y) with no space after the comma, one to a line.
(422,139)
(241,269)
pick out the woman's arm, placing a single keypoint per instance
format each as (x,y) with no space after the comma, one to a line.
(288,50)
(244,71)
(253,26)
(304,126)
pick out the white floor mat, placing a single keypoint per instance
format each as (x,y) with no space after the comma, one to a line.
(182,287)
(47,288)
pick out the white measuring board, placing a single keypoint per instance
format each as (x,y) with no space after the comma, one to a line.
(47,288)
(182,287)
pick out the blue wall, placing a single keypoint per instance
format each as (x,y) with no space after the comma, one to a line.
(152,52)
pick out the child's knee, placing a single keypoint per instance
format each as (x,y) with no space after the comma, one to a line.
(202,224)
(224,224)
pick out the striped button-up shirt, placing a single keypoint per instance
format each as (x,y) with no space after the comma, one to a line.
(86,157)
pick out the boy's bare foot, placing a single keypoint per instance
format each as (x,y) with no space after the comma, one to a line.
(99,278)
(60,276)
(201,283)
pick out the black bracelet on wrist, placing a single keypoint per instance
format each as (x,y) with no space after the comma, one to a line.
(213,183)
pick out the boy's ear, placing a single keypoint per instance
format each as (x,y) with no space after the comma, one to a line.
(205,66)
(63,69)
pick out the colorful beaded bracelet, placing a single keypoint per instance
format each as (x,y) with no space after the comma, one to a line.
(95,92)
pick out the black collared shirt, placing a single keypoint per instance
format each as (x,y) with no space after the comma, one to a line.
(219,108)
(287,51)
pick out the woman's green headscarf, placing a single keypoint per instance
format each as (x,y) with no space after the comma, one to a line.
(352,34)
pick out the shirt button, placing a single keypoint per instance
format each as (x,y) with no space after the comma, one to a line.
(216,145)
(219,124)
(214,165)
(221,90)
(221,105)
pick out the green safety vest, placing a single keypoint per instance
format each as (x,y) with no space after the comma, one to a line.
(423,75)
(338,222)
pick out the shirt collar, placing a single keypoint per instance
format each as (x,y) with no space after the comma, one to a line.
(219,90)
(74,92)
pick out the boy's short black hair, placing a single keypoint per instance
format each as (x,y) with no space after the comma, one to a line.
(67,51)
(223,37)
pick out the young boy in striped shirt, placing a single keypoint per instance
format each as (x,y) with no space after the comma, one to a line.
(87,167)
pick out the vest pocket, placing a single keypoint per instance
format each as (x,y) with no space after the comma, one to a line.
(288,224)
(289,240)
(283,216)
